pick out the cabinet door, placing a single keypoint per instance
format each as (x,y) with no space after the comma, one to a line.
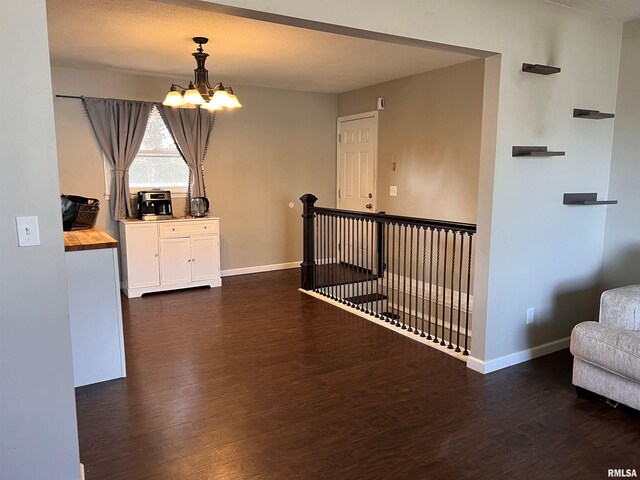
(141,245)
(175,261)
(205,257)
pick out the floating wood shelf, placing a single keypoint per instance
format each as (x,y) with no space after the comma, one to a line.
(539,69)
(585,199)
(520,151)
(591,114)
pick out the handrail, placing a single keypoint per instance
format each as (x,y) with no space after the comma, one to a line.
(398,219)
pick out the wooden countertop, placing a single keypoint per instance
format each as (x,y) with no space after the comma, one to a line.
(90,239)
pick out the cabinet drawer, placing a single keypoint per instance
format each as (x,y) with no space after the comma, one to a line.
(182,229)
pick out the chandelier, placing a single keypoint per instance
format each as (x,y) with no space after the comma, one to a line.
(200,92)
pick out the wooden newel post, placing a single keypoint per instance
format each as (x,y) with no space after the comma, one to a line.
(308,270)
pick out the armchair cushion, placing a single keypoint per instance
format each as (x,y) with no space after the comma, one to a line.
(608,347)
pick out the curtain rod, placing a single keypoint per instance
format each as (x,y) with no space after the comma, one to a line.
(79,97)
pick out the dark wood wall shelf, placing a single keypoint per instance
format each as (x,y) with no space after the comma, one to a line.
(591,114)
(539,69)
(524,151)
(585,199)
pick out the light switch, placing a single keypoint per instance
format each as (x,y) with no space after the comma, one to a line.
(28,234)
(393,191)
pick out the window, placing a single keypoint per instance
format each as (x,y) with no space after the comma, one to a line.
(158,163)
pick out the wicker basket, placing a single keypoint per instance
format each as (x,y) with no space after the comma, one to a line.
(79,213)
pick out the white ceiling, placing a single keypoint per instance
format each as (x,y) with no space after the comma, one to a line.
(154,37)
(623,10)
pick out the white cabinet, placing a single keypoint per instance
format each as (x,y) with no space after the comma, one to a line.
(169,255)
(95,315)
(204,263)
(175,260)
(140,262)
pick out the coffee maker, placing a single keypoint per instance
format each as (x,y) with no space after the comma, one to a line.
(154,205)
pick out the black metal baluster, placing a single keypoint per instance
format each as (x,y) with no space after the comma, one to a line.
(387,247)
(431,233)
(324,255)
(416,331)
(342,262)
(410,230)
(365,254)
(466,323)
(453,277)
(437,302)
(444,287)
(354,271)
(334,257)
(460,291)
(316,255)
(393,276)
(424,272)
(352,259)
(373,286)
(404,276)
(329,264)
(359,260)
(338,247)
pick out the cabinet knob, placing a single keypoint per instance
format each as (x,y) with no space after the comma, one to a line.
(205,227)
(156,254)
(189,260)
(193,259)
(173,229)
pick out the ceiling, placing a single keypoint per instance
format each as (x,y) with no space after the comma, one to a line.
(623,10)
(154,37)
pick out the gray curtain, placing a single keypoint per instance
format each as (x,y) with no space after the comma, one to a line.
(191,129)
(119,126)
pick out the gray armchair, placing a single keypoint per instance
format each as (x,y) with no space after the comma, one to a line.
(607,353)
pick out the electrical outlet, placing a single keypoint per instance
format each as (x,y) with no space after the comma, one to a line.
(393,191)
(531,313)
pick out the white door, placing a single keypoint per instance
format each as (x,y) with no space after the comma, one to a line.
(142,255)
(204,261)
(175,260)
(358,138)
(357,170)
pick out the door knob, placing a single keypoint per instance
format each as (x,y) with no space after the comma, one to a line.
(369,206)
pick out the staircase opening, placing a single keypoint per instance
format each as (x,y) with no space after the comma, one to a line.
(412,274)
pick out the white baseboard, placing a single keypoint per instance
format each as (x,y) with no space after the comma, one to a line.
(518,357)
(260,268)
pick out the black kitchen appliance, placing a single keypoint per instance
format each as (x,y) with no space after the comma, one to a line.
(154,205)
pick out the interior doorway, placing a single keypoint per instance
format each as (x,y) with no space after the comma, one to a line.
(357,154)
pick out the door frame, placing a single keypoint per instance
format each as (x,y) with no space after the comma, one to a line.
(358,116)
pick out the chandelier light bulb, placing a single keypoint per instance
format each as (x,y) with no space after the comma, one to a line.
(173,98)
(192,96)
(232,101)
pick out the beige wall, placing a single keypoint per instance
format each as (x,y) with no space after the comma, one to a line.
(280,145)
(430,127)
(622,234)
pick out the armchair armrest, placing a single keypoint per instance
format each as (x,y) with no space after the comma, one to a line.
(620,307)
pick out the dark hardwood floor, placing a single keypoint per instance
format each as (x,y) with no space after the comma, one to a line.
(257,380)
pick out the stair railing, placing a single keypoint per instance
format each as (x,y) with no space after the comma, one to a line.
(413,273)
